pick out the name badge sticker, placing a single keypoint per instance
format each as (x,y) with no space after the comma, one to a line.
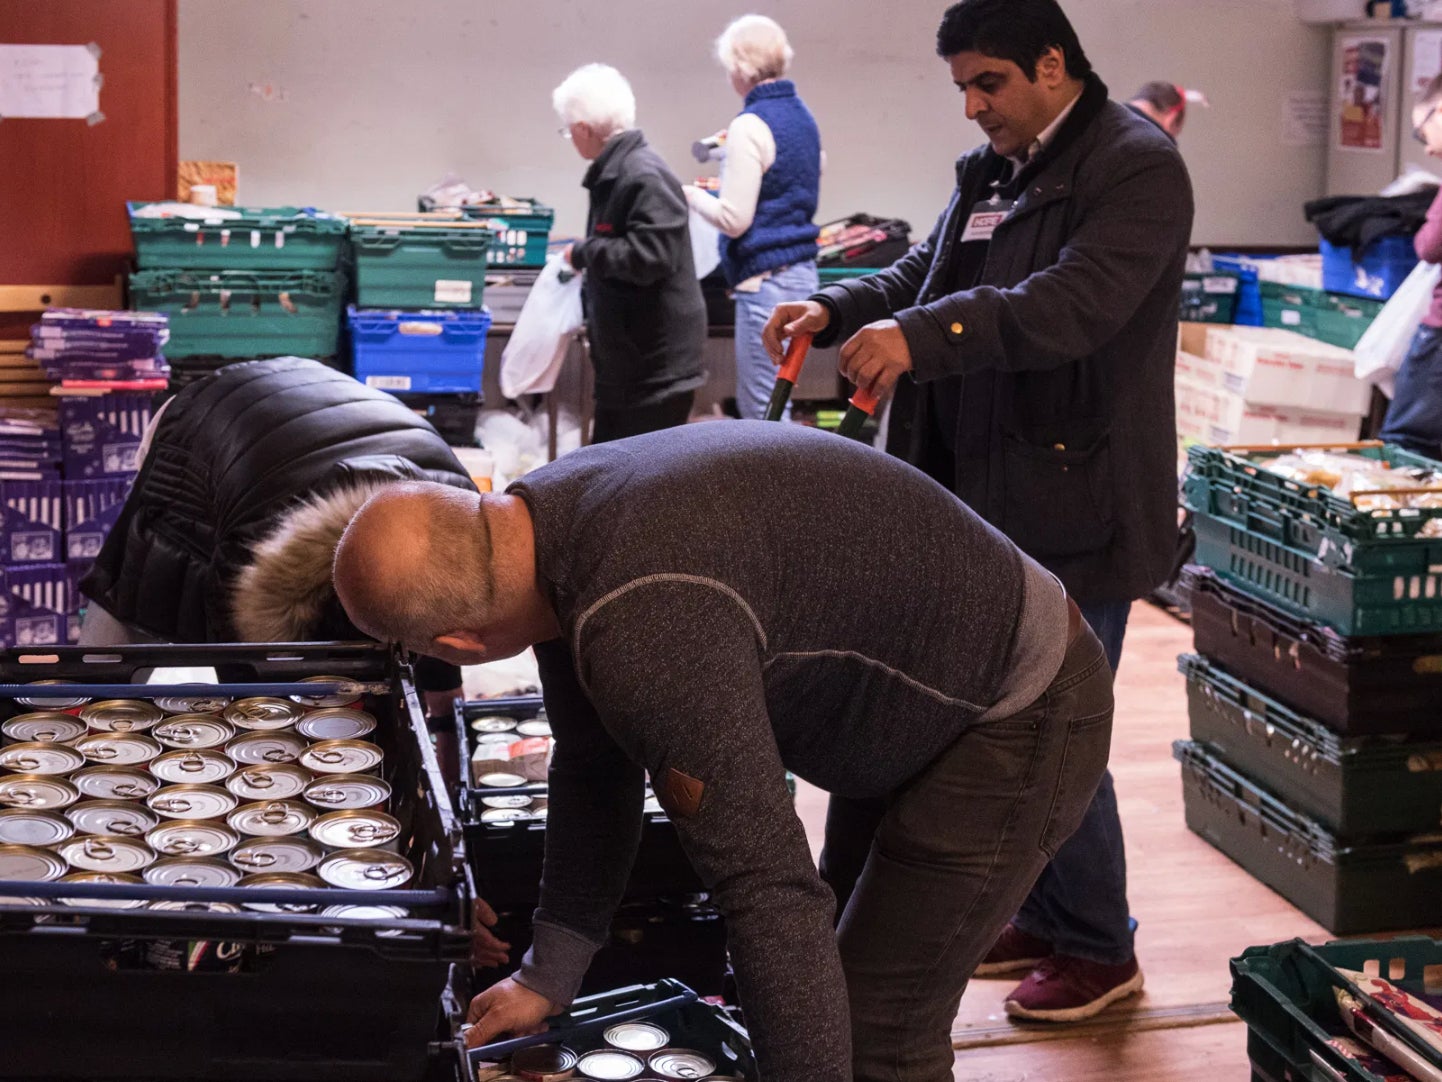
(985,217)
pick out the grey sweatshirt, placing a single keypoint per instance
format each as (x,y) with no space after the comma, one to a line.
(740,599)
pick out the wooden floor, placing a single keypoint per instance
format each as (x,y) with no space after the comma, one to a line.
(1195,910)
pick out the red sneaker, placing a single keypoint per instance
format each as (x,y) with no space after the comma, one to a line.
(1014,952)
(1066,989)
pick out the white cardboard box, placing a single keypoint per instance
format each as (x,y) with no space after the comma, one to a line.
(1219,417)
(1267,366)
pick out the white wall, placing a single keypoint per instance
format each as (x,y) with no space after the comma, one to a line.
(373,100)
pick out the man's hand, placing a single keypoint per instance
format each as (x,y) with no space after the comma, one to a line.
(507,1009)
(487,951)
(875,357)
(790,319)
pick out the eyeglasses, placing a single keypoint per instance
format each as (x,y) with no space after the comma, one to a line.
(1417,131)
(564,133)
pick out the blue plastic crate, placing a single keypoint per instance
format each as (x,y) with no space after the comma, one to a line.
(429,352)
(1384,267)
(1248,310)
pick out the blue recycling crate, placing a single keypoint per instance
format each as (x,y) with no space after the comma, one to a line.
(426,352)
(1383,268)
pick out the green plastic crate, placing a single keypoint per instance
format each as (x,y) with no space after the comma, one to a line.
(1334,318)
(831,275)
(245,313)
(262,238)
(1210,298)
(1284,993)
(410,266)
(522,233)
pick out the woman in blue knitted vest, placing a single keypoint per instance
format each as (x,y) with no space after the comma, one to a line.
(769,186)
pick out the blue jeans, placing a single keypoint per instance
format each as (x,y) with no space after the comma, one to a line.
(1414,420)
(1079,903)
(755,374)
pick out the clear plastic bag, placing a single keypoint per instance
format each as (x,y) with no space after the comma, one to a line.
(548,321)
(1378,355)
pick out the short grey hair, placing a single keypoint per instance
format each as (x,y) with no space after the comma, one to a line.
(598,95)
(755,48)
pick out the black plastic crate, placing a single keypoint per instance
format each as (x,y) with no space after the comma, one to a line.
(1359,785)
(1354,685)
(311,1004)
(1348,888)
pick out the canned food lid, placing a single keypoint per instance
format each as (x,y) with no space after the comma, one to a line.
(342,791)
(355,829)
(192,839)
(121,715)
(277,855)
(118,749)
(201,702)
(543,1060)
(31,863)
(38,757)
(637,1037)
(192,872)
(501,781)
(534,727)
(682,1063)
(193,731)
(541,813)
(335,725)
(102,877)
(31,826)
(192,802)
(114,783)
(279,781)
(341,757)
(196,765)
(51,704)
(111,817)
(349,692)
(106,853)
(272,818)
(184,906)
(365,869)
(494,725)
(44,726)
(518,801)
(293,880)
(504,815)
(365,912)
(262,748)
(37,791)
(609,1065)
(489,741)
(263,713)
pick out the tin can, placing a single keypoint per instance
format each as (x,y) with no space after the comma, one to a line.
(500,781)
(496,740)
(102,903)
(120,817)
(277,855)
(365,869)
(681,1064)
(194,731)
(637,1037)
(277,781)
(121,716)
(44,726)
(191,872)
(520,800)
(111,853)
(36,791)
(187,838)
(545,1063)
(51,760)
(367,913)
(349,694)
(182,905)
(289,880)
(540,812)
(494,724)
(336,724)
(113,783)
(610,1065)
(199,766)
(260,749)
(31,826)
(36,702)
(202,702)
(342,757)
(357,830)
(272,818)
(194,956)
(195,802)
(118,749)
(505,815)
(263,714)
(348,792)
(30,863)
(534,727)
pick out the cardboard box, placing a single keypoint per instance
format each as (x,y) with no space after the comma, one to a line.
(1266,366)
(1220,417)
(34,600)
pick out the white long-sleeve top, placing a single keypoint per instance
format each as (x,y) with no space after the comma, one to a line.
(750,151)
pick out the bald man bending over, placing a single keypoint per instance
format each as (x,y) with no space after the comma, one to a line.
(717,604)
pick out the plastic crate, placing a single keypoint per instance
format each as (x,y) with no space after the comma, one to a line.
(506,293)
(669,1004)
(1349,888)
(312,1003)
(1384,267)
(1210,298)
(1248,310)
(1356,686)
(454,416)
(261,238)
(521,233)
(1359,785)
(245,314)
(831,275)
(1337,320)
(1285,994)
(426,352)
(414,263)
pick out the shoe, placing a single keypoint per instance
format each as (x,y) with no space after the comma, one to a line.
(1013,952)
(1066,989)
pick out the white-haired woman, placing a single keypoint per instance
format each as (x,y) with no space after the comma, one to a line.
(644,310)
(769,187)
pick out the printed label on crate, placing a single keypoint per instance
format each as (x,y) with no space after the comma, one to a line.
(453,291)
(1219,285)
(389,383)
(1292,319)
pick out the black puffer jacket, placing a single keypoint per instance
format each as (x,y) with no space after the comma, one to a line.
(252,474)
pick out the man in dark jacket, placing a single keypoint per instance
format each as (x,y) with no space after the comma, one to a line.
(644,310)
(1036,330)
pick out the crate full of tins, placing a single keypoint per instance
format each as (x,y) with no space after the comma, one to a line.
(262,875)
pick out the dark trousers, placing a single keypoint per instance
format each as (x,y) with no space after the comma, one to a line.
(617,424)
(1414,419)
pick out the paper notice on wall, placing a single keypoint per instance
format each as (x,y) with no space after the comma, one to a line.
(49,81)
(1362,95)
(1304,118)
(1426,59)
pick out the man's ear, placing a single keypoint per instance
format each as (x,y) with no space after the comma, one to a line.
(1051,68)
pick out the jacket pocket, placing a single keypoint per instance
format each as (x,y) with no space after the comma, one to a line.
(1058,498)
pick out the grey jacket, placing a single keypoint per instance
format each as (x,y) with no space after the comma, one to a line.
(1066,438)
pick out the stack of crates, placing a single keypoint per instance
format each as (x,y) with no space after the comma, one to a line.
(521,228)
(240,283)
(1315,693)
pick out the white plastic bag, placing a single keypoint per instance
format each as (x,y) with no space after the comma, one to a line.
(548,321)
(705,245)
(1379,353)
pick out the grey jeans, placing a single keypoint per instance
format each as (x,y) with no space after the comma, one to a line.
(954,856)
